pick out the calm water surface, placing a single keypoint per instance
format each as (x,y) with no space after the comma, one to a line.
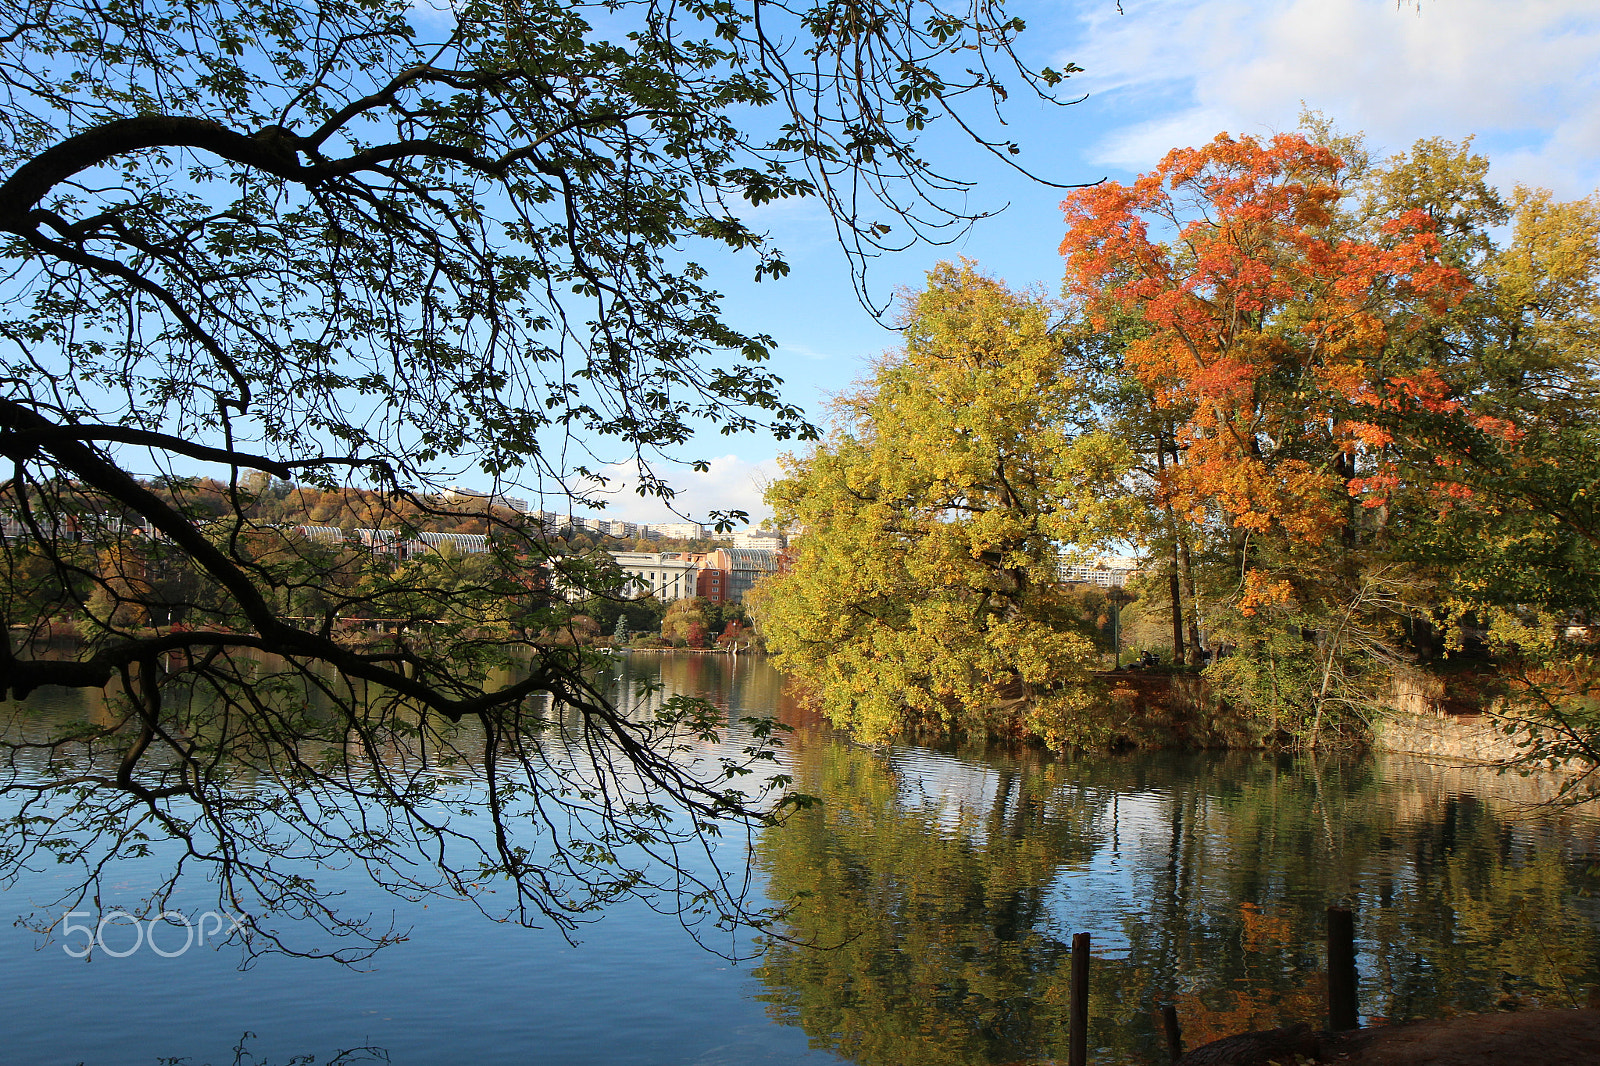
(935,896)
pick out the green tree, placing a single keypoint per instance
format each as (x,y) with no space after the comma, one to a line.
(356,243)
(1495,475)
(1517,450)
(684,615)
(924,591)
(1520,445)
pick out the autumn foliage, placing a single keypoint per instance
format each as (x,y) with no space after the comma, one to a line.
(1269,324)
(1354,427)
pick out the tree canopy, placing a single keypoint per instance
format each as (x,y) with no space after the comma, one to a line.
(924,591)
(362,242)
(1370,416)
(1354,414)
(1266,326)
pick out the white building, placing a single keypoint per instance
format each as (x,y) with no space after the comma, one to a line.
(320,534)
(379,541)
(458,495)
(666,575)
(678,530)
(761,539)
(456,543)
(548,521)
(390,542)
(1104,571)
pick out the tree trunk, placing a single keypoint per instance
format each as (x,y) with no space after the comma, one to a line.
(1172,579)
(1187,568)
(1177,609)
(1186,572)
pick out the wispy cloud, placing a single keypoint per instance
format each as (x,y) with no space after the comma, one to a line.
(806,353)
(1525,75)
(730,484)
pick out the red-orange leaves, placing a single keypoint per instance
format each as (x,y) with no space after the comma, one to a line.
(1264,321)
(1261,590)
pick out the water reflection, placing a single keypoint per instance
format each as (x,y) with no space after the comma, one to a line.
(945,886)
(951,886)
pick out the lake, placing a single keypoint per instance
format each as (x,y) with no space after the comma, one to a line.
(935,895)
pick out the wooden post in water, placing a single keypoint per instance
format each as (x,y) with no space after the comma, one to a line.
(1078,1012)
(1341,970)
(1169,1021)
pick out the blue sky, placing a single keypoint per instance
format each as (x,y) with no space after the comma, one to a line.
(1523,78)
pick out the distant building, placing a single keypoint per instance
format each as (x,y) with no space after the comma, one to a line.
(721,576)
(678,530)
(746,566)
(552,524)
(548,522)
(1102,571)
(391,542)
(458,495)
(753,538)
(766,539)
(459,543)
(732,572)
(712,584)
(378,541)
(69,527)
(319,534)
(667,576)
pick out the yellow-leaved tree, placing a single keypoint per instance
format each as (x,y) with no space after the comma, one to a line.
(924,591)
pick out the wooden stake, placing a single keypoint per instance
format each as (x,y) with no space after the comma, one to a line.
(1078,1015)
(1342,970)
(1169,1021)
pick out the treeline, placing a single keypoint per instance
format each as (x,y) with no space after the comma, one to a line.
(262,499)
(103,576)
(1346,407)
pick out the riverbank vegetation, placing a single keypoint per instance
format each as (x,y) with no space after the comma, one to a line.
(1345,408)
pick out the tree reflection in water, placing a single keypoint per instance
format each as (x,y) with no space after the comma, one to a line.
(945,891)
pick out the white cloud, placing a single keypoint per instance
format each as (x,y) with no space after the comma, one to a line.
(731,484)
(805,353)
(1525,76)
(1141,146)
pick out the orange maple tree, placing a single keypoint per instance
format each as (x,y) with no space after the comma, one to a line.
(1267,318)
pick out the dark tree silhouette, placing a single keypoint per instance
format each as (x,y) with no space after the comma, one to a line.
(360,244)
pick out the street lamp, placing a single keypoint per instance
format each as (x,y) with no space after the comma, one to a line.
(1118,596)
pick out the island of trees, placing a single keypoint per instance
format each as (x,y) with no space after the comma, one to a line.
(1345,407)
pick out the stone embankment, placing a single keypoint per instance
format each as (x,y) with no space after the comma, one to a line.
(1421,717)
(1473,738)
(1427,721)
